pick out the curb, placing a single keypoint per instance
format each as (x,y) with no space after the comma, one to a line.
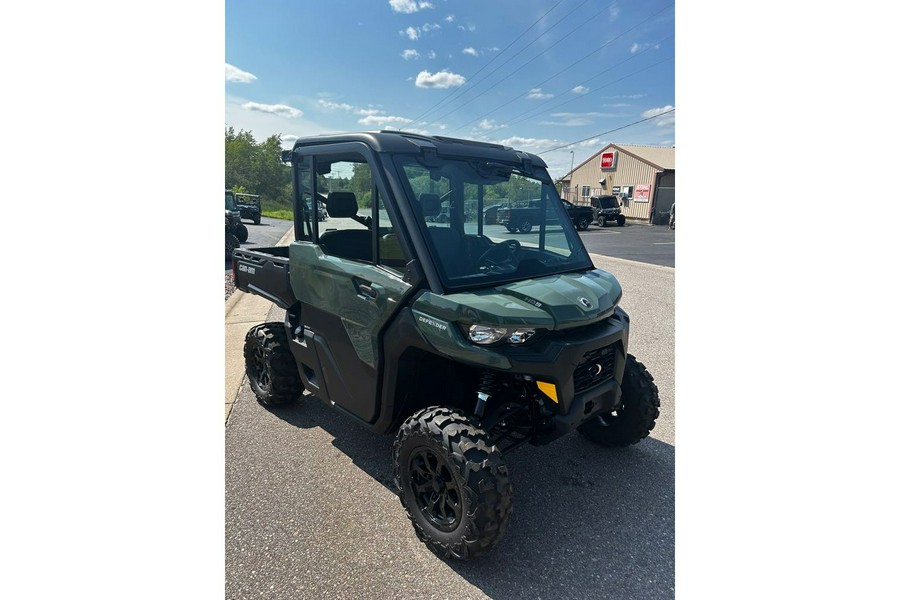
(242,311)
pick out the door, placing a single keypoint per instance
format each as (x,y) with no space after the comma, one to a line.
(350,279)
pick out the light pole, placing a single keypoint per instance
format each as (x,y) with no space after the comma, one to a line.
(572,174)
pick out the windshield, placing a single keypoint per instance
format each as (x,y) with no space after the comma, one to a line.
(229,201)
(487,223)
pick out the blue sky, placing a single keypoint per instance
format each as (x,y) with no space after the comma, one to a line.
(532,74)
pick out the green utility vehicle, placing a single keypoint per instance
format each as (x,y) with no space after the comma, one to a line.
(459,339)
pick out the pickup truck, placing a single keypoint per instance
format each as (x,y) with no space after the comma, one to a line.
(523,218)
(461,344)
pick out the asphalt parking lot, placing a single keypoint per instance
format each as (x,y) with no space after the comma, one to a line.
(311,509)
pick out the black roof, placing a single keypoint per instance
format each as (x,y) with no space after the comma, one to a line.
(402,142)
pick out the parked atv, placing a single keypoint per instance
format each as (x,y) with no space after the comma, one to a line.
(607,210)
(461,341)
(232,222)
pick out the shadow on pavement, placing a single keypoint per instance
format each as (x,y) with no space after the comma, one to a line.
(587,522)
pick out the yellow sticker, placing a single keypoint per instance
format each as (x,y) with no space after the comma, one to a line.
(549,389)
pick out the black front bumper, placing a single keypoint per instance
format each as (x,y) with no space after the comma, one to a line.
(586,365)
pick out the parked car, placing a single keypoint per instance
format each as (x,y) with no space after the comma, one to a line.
(607,208)
(233,213)
(524,218)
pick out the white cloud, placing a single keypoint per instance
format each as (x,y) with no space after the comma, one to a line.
(289,139)
(576,119)
(368,111)
(334,105)
(470,51)
(276,109)
(432,54)
(441,79)
(409,6)
(537,94)
(580,89)
(635,47)
(429,26)
(487,124)
(449,18)
(665,121)
(381,121)
(408,54)
(521,143)
(614,11)
(411,32)
(232,73)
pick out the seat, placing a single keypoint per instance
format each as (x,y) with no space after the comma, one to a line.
(355,244)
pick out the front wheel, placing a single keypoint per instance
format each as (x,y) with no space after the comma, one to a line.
(257,220)
(601,220)
(582,224)
(636,415)
(270,366)
(453,483)
(511,229)
(525,226)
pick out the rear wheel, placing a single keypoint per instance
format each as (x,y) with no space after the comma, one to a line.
(231,244)
(582,223)
(257,219)
(242,233)
(636,415)
(510,229)
(620,220)
(453,483)
(525,226)
(270,366)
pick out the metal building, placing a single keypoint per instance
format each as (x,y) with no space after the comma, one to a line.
(642,177)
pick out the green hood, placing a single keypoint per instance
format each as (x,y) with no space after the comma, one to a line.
(553,302)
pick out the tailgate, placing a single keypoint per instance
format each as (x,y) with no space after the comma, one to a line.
(264,272)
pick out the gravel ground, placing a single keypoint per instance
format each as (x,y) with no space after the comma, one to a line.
(229,285)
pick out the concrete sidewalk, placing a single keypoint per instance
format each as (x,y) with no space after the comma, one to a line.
(243,311)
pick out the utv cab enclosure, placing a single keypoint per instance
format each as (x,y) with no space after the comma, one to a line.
(454,336)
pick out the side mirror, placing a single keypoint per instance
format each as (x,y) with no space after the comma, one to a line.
(286,156)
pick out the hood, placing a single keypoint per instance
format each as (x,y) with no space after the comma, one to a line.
(552,302)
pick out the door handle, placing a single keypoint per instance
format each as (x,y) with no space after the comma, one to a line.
(367,291)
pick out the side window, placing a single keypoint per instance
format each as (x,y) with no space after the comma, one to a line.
(390,253)
(303,218)
(343,207)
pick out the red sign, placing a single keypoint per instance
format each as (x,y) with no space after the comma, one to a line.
(642,193)
(608,160)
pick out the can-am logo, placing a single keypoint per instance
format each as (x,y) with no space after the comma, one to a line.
(585,303)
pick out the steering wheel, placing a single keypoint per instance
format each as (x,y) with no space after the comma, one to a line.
(501,257)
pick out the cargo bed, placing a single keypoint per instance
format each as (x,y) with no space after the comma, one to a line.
(264,272)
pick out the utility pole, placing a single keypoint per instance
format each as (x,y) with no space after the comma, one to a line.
(572,177)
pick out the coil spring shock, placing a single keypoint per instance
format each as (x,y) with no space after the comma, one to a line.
(486,388)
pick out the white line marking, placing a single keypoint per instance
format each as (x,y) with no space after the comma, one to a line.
(662,243)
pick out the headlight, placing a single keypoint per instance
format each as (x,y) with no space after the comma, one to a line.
(481,334)
(521,335)
(484,335)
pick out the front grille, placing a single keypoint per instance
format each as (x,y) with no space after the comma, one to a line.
(588,375)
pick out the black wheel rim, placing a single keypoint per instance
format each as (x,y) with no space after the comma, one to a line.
(437,495)
(260,368)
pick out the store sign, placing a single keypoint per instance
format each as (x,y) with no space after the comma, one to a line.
(608,160)
(642,193)
(617,190)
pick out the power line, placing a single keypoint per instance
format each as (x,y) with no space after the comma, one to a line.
(498,56)
(535,57)
(517,120)
(566,69)
(605,132)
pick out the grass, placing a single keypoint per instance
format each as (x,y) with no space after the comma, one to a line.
(280,213)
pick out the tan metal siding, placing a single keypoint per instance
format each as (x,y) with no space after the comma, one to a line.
(629,171)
